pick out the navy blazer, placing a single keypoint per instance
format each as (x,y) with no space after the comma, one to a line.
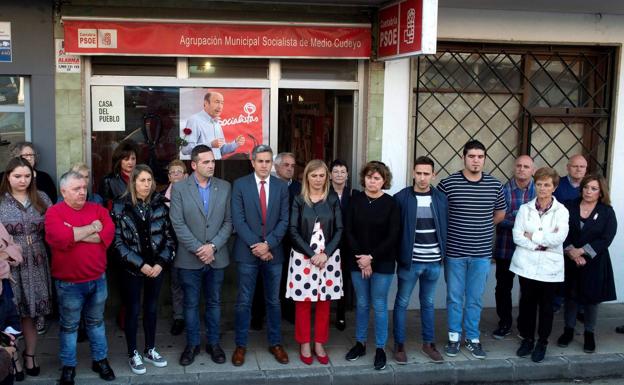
(408,204)
(247,218)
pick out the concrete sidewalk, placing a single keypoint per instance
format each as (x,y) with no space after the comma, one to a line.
(501,365)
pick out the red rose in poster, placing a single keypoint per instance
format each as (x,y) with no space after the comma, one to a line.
(187,131)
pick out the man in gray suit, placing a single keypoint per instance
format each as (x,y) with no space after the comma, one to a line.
(260,217)
(201,217)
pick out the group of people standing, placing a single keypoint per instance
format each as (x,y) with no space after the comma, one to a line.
(312,242)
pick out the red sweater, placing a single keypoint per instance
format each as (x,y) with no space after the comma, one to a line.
(77,261)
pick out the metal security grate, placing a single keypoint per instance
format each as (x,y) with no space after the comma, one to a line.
(548,102)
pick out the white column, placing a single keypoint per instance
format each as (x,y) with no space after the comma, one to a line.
(396,118)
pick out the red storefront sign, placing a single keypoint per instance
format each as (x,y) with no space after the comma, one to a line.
(407,28)
(146,38)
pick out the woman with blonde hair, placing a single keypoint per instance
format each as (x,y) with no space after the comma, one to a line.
(314,273)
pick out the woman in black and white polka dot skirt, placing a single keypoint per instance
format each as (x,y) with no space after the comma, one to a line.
(314,273)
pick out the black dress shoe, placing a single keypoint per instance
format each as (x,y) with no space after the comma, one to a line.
(216,353)
(103,368)
(188,355)
(341,324)
(178,327)
(67,375)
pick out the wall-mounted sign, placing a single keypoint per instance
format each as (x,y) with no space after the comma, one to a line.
(407,28)
(108,108)
(65,63)
(6,49)
(144,38)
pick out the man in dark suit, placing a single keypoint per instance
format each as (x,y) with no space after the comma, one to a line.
(260,217)
(201,217)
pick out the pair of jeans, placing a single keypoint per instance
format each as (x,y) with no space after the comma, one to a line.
(427,273)
(88,298)
(177,295)
(504,285)
(303,312)
(590,310)
(133,285)
(271,277)
(193,282)
(465,283)
(533,295)
(372,290)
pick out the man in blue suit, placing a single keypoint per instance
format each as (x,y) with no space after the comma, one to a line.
(260,218)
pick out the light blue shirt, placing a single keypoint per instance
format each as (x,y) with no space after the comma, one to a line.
(204,129)
(204,193)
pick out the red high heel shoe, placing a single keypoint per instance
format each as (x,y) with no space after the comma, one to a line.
(306,360)
(323,360)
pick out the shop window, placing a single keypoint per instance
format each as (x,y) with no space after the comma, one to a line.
(301,69)
(14,109)
(228,68)
(547,102)
(133,66)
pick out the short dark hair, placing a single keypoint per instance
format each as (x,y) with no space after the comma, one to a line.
(199,149)
(474,145)
(424,160)
(545,173)
(338,163)
(379,167)
(261,148)
(124,150)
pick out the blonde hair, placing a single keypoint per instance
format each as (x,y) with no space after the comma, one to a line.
(80,166)
(131,189)
(314,165)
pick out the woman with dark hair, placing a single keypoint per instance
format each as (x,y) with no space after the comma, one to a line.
(145,245)
(373,229)
(588,271)
(124,160)
(314,273)
(44,181)
(22,210)
(540,228)
(339,176)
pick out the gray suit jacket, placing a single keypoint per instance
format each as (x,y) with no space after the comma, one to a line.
(193,228)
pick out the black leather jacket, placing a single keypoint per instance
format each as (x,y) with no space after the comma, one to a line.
(113,186)
(303,217)
(127,239)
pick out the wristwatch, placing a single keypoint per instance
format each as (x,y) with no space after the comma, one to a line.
(214,248)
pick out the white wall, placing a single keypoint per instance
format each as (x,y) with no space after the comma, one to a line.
(535,27)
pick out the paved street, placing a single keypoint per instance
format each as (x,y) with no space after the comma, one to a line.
(501,366)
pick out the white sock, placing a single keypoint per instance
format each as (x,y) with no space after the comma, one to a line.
(453,336)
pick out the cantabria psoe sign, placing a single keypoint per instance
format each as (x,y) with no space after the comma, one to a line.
(407,28)
(84,36)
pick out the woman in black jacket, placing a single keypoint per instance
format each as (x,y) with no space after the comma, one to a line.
(114,184)
(314,273)
(588,271)
(145,244)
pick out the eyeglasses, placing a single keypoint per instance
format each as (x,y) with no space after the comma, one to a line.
(176,172)
(31,155)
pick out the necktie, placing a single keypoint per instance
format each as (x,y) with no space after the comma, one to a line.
(263,205)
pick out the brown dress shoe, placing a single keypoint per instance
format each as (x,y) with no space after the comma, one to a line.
(238,357)
(279,353)
(399,354)
(430,351)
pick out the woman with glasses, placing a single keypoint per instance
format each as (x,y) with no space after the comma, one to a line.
(145,245)
(22,210)
(43,180)
(588,271)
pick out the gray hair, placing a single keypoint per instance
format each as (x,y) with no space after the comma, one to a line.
(261,148)
(282,155)
(69,175)
(16,148)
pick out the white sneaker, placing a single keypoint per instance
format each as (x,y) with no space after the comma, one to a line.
(154,358)
(136,363)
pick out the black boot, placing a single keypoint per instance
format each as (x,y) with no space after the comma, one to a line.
(67,375)
(566,337)
(589,346)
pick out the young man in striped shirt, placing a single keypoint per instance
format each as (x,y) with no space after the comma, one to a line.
(424,212)
(476,204)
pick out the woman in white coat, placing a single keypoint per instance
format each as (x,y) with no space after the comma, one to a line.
(539,231)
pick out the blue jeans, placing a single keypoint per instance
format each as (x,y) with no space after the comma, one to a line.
(88,298)
(193,282)
(271,276)
(465,283)
(372,290)
(428,274)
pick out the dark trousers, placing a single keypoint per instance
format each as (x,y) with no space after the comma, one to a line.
(571,307)
(504,285)
(151,291)
(536,295)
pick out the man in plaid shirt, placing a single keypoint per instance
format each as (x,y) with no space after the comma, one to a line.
(518,191)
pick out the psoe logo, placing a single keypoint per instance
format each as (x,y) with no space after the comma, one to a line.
(87,38)
(410,28)
(249,108)
(107,38)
